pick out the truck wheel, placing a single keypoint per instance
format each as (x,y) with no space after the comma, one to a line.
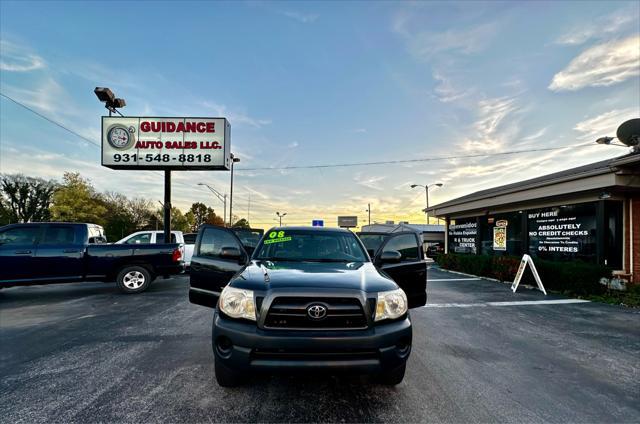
(225,376)
(393,377)
(133,279)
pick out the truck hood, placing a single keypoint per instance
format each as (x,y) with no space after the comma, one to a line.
(269,275)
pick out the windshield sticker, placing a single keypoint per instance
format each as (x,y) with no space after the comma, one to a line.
(277,237)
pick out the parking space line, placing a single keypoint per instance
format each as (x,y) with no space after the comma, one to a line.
(512,303)
(454,279)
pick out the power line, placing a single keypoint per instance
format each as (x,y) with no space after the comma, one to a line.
(330,165)
(88,140)
(390,162)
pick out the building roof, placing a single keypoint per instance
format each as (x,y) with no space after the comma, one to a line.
(394,228)
(627,162)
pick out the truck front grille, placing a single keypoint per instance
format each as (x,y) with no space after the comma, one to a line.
(291,313)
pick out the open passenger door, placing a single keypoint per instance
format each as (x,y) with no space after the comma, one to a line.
(217,256)
(401,256)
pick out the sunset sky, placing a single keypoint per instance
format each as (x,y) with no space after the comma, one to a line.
(306,83)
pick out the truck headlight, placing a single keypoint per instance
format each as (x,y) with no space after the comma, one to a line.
(391,304)
(237,303)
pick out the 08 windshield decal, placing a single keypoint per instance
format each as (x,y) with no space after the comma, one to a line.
(277,237)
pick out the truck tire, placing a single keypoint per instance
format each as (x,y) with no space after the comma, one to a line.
(225,376)
(133,279)
(393,377)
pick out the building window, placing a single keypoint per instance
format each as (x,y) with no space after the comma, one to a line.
(512,222)
(613,234)
(462,236)
(563,232)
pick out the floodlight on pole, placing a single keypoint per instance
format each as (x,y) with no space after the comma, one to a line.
(106,96)
(280,216)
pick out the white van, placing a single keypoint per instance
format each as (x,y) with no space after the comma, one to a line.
(153,237)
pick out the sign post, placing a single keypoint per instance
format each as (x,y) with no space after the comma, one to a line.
(526,259)
(166,144)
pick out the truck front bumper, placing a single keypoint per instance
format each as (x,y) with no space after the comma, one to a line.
(241,345)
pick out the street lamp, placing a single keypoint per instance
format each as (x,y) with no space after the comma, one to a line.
(221,197)
(426,192)
(106,96)
(280,216)
(369,212)
(233,160)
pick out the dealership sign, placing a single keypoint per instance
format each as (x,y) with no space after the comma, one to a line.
(166,143)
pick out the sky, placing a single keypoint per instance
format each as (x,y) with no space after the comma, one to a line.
(314,83)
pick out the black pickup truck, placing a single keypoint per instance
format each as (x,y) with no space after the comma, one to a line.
(309,298)
(57,252)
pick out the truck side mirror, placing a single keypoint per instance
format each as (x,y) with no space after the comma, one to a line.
(390,257)
(231,253)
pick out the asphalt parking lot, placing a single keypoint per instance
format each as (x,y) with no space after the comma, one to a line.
(85,353)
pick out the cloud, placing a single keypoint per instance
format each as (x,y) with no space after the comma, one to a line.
(369,182)
(600,28)
(601,65)
(305,18)
(360,130)
(13,58)
(293,145)
(425,44)
(446,92)
(492,129)
(535,135)
(235,117)
(47,97)
(605,124)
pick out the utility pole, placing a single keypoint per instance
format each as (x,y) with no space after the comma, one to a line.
(249,207)
(233,160)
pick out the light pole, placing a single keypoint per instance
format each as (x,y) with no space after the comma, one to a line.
(280,216)
(426,192)
(369,211)
(221,197)
(233,160)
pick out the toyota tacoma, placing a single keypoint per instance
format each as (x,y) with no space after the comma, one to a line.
(308,298)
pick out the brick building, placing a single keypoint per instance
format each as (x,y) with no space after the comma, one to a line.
(590,213)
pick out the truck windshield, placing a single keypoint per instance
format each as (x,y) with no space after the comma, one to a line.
(310,245)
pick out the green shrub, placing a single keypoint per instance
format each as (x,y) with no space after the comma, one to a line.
(578,278)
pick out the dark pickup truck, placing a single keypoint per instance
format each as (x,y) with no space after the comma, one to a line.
(305,298)
(57,252)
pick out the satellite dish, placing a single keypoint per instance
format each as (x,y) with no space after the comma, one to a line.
(629,132)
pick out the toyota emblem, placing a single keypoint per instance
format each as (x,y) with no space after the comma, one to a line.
(317,311)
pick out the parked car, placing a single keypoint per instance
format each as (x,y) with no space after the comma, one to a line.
(57,252)
(308,298)
(156,237)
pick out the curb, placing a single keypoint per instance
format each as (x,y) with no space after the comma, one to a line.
(526,286)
